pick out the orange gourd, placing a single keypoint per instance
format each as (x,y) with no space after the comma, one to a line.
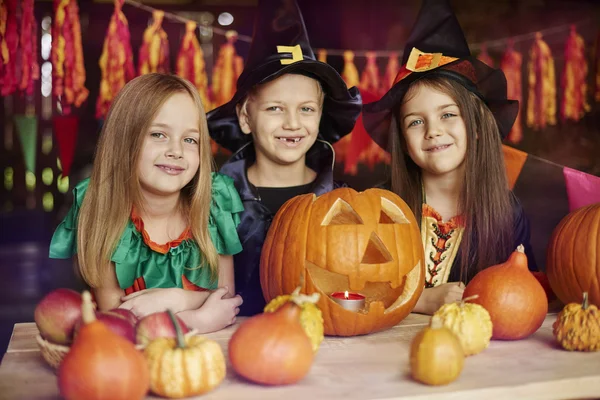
(573,256)
(102,365)
(367,242)
(511,294)
(272,348)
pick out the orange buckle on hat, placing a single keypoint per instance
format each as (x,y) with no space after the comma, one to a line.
(295,51)
(419,61)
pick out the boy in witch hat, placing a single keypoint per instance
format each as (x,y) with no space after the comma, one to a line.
(286,112)
(443,122)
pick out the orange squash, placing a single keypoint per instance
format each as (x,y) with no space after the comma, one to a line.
(367,242)
(102,365)
(511,294)
(573,256)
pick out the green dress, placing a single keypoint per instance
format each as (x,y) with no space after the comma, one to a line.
(179,263)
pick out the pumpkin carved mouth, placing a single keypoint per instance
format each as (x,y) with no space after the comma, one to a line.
(384,292)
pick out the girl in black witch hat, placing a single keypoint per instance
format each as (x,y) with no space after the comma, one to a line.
(287,110)
(443,122)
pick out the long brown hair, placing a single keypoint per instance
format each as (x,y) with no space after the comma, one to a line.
(484,197)
(114,185)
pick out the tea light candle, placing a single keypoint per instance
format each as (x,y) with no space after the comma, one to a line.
(350,301)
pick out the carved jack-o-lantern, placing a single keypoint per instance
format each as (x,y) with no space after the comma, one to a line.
(367,242)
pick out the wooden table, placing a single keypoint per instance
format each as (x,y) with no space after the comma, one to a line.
(367,367)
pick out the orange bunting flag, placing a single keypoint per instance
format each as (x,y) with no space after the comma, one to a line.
(511,66)
(68,70)
(190,63)
(574,103)
(541,103)
(116,61)
(369,79)
(391,71)
(154,52)
(227,70)
(484,56)
(9,42)
(31,69)
(322,55)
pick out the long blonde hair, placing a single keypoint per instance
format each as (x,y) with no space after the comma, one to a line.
(484,198)
(115,187)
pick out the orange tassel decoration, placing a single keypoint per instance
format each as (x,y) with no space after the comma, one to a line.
(68,69)
(9,42)
(116,61)
(154,53)
(511,66)
(484,56)
(369,79)
(574,103)
(541,104)
(31,69)
(228,68)
(391,71)
(351,77)
(322,55)
(190,63)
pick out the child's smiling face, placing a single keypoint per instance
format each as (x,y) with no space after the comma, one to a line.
(283,116)
(170,156)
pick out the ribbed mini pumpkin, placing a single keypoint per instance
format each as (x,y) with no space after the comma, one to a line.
(184,366)
(471,323)
(577,326)
(311,317)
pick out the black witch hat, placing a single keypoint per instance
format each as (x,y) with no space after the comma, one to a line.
(437,47)
(280,46)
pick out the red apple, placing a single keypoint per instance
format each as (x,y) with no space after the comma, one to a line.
(56,314)
(543,280)
(127,314)
(157,325)
(116,323)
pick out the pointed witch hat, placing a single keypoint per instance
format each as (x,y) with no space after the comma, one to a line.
(280,46)
(437,47)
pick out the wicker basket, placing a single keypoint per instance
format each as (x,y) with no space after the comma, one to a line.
(52,353)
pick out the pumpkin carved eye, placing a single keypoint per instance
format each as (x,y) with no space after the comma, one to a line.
(341,213)
(391,213)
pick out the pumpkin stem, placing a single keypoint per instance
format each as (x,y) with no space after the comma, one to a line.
(87,307)
(178,332)
(585,301)
(521,248)
(436,322)
(463,301)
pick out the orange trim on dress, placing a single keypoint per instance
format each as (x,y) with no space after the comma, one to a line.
(159,248)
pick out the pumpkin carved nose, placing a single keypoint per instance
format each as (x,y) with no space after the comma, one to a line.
(376,252)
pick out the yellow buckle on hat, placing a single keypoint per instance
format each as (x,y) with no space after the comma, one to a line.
(295,51)
(419,61)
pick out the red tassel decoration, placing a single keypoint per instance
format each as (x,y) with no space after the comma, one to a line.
(511,66)
(541,104)
(190,63)
(574,103)
(116,61)
(31,69)
(9,42)
(154,53)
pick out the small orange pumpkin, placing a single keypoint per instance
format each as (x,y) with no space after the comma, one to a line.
(367,242)
(101,365)
(511,294)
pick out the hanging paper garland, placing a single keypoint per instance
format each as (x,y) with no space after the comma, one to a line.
(511,66)
(391,71)
(541,104)
(116,61)
(30,67)
(574,103)
(484,56)
(68,70)
(9,41)
(154,53)
(227,70)
(190,63)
